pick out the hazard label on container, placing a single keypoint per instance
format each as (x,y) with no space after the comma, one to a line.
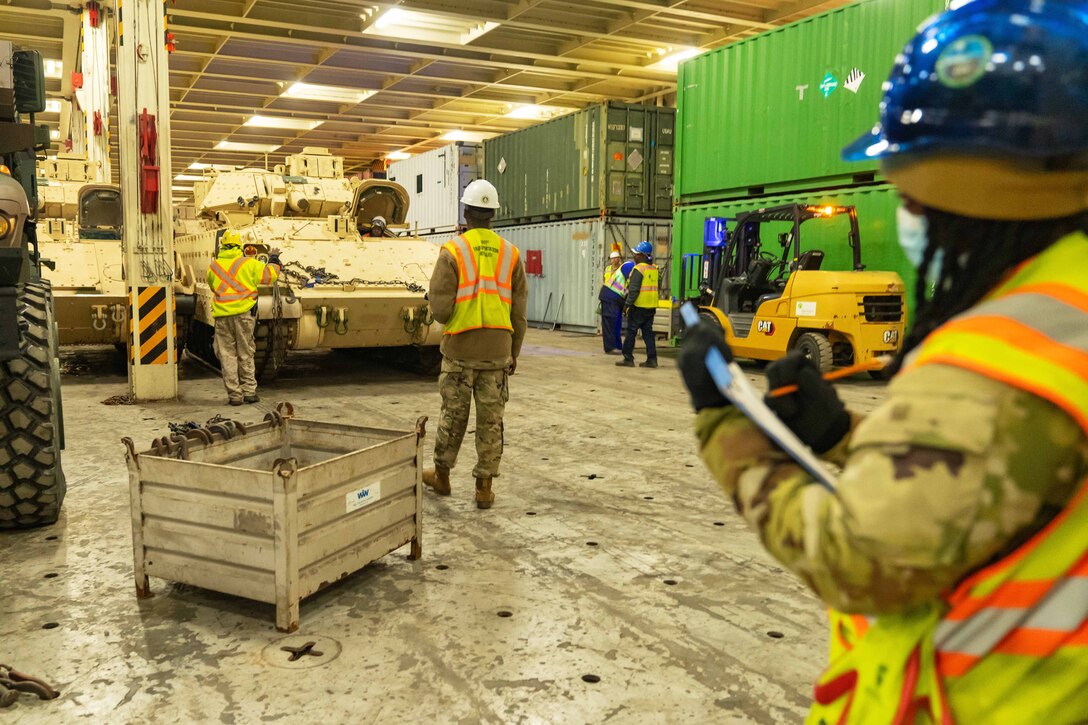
(828,85)
(502,164)
(634,160)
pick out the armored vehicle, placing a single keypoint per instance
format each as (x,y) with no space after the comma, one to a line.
(32,484)
(79,231)
(353,275)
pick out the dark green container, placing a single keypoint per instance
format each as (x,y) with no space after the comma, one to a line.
(880,251)
(770,114)
(613,158)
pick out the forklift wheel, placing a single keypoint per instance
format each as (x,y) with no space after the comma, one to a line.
(816,348)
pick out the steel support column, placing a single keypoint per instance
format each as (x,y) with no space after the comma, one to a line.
(143,87)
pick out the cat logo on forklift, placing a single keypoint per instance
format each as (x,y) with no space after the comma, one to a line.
(891,337)
(765,326)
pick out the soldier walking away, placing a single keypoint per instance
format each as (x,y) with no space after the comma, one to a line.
(954,553)
(478,291)
(234,278)
(641,308)
(612,297)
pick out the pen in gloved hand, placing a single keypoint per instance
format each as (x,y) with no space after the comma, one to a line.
(877,363)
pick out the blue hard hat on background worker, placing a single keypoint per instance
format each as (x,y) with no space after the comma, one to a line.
(644,248)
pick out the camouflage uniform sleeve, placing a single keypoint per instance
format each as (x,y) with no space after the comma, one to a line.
(443,291)
(950,472)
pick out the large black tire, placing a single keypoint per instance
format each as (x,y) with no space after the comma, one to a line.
(32,484)
(817,348)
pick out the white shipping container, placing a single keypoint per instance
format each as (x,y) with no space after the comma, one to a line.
(572,256)
(435,181)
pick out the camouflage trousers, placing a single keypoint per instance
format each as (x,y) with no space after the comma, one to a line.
(235,347)
(459,384)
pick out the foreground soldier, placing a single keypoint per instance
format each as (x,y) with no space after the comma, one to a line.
(960,526)
(233,279)
(478,291)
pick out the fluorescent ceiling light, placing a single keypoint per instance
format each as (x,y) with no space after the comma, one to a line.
(199,166)
(473,136)
(295,124)
(670,61)
(417,25)
(53,68)
(52,106)
(335,94)
(181,188)
(532,112)
(257,148)
(188,177)
(398,156)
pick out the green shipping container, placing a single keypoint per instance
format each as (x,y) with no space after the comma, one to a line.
(613,158)
(880,251)
(771,114)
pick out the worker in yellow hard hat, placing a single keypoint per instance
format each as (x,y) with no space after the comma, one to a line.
(234,278)
(954,550)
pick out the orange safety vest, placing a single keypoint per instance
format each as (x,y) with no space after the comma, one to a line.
(1010,643)
(485,274)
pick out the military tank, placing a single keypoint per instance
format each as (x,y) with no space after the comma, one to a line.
(79,232)
(32,483)
(354,275)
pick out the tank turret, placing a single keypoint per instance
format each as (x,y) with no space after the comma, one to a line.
(311,184)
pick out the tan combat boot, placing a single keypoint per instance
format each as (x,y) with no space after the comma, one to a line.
(484,496)
(438,479)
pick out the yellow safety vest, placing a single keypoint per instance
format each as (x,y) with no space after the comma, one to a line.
(234,279)
(485,274)
(647,295)
(616,281)
(1010,644)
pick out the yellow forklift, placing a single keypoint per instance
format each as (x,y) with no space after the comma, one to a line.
(769,302)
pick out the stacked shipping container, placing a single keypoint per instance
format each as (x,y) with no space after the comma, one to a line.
(573,186)
(761,122)
(435,181)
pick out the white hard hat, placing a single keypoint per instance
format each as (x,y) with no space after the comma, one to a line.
(614,255)
(481,194)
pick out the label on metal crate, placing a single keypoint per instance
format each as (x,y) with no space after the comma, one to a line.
(359,498)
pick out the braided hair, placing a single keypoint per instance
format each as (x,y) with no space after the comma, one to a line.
(978,255)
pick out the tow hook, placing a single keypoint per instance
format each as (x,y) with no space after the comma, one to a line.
(340,321)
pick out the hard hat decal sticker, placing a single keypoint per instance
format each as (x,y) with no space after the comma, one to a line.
(963,62)
(854,80)
(828,85)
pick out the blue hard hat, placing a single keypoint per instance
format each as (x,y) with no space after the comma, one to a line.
(644,248)
(989,77)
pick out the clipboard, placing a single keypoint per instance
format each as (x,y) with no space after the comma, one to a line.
(733,384)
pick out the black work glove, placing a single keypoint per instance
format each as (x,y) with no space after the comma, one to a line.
(274,259)
(697,341)
(814,412)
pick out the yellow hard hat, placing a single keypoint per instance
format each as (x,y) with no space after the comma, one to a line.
(231,238)
(5,170)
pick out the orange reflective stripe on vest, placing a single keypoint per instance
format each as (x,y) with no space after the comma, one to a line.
(485,272)
(647,295)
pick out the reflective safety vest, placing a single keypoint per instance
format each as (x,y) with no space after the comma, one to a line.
(1010,643)
(616,280)
(647,295)
(485,274)
(234,279)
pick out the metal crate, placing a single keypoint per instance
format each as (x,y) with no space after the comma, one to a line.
(273,511)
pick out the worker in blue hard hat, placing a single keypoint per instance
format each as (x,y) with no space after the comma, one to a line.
(641,307)
(954,551)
